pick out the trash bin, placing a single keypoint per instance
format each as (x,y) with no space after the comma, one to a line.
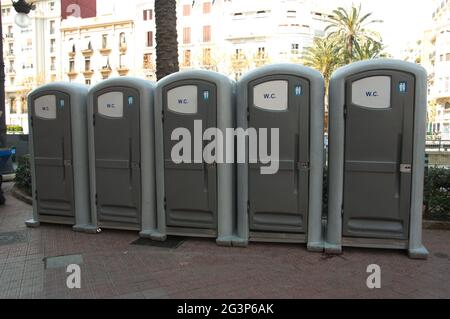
(196,195)
(121,144)
(6,166)
(377,153)
(284,205)
(59,157)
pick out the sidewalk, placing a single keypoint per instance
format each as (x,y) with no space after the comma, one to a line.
(113,268)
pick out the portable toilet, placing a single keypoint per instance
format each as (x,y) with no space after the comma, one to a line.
(281,200)
(377,156)
(121,155)
(59,155)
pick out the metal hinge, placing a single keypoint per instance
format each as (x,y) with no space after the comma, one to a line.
(93,120)
(304,166)
(31,121)
(345,112)
(162,116)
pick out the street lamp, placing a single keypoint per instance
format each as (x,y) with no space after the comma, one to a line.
(23,8)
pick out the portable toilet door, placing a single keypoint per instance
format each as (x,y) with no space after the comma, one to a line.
(284,205)
(195,195)
(122,154)
(377,156)
(59,155)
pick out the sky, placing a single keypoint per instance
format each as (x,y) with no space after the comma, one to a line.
(404,20)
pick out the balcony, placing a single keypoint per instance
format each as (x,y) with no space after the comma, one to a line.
(239,61)
(72,74)
(106,72)
(87,53)
(105,51)
(123,70)
(123,48)
(261,59)
(88,74)
(72,54)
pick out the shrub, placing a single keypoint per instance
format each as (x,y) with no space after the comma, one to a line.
(23,175)
(437,194)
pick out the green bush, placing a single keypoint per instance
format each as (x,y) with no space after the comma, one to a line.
(23,175)
(14,129)
(437,194)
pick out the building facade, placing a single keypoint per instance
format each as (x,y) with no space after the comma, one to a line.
(31,54)
(440,89)
(117,38)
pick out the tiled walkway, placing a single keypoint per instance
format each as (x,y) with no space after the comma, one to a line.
(113,268)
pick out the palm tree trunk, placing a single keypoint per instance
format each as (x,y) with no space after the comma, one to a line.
(350,49)
(166,38)
(2,90)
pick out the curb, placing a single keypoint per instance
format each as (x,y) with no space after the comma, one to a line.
(436,225)
(18,194)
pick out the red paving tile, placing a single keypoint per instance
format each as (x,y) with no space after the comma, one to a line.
(113,268)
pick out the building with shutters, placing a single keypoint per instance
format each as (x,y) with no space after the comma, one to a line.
(31,54)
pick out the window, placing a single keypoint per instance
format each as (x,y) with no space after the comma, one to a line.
(447,57)
(186,35)
(206,7)
(24,105)
(187,57)
(186,10)
(207,33)
(52,45)
(52,27)
(206,56)
(53,63)
(148,61)
(87,65)
(52,6)
(88,82)
(295,48)
(149,38)
(12,105)
(71,65)
(148,14)
(122,40)
(441,57)
(261,51)
(104,41)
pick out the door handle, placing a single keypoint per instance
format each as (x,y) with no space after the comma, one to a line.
(406,168)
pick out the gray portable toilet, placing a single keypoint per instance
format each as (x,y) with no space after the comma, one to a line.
(121,154)
(377,155)
(59,155)
(196,197)
(282,206)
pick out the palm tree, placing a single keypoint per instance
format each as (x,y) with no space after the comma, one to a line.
(166,38)
(369,50)
(323,56)
(351,28)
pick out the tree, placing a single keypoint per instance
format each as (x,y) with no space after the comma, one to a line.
(323,56)
(166,38)
(369,50)
(351,28)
